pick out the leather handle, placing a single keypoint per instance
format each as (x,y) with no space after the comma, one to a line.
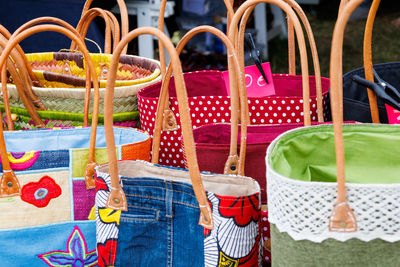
(235,163)
(7,35)
(291,47)
(314,53)
(117,198)
(69,27)
(15,189)
(367,54)
(111,27)
(15,64)
(124,17)
(313,46)
(26,72)
(342,218)
(300,37)
(85,21)
(169,120)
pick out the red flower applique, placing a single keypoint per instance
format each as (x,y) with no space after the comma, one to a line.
(107,253)
(242,209)
(40,193)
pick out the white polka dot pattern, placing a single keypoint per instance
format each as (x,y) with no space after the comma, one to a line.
(207,109)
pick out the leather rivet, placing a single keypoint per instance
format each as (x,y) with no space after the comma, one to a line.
(233,167)
(170,123)
(343,224)
(10,184)
(116,200)
(105,71)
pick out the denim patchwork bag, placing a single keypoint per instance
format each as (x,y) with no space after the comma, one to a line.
(148,214)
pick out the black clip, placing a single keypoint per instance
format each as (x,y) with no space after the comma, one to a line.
(255,54)
(382,89)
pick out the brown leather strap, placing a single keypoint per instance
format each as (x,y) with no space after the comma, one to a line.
(234,164)
(314,53)
(110,27)
(124,18)
(7,35)
(343,3)
(300,37)
(170,120)
(342,218)
(4,56)
(69,27)
(313,47)
(291,48)
(117,198)
(368,66)
(37,102)
(20,84)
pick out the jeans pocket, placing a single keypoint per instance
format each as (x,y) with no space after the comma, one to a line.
(140,214)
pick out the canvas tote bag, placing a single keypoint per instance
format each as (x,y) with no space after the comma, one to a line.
(137,201)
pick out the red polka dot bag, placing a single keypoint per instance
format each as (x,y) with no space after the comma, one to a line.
(209,103)
(269,117)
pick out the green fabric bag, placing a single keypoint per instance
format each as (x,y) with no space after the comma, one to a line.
(334,191)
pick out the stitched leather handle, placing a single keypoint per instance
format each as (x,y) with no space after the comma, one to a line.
(124,18)
(15,66)
(7,35)
(234,164)
(26,72)
(9,184)
(313,47)
(367,54)
(69,27)
(110,27)
(248,5)
(169,121)
(314,53)
(342,218)
(117,198)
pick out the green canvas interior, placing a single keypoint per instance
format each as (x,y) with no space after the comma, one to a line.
(372,154)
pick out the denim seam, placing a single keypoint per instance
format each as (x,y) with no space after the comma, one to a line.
(151,180)
(160,187)
(142,220)
(162,199)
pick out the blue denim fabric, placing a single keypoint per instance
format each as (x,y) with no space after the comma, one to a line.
(161,226)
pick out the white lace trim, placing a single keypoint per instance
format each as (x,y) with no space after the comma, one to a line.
(302,209)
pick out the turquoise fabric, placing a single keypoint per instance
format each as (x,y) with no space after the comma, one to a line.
(39,140)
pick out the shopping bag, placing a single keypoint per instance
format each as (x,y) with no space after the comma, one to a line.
(151,200)
(318,217)
(62,77)
(209,103)
(44,192)
(213,141)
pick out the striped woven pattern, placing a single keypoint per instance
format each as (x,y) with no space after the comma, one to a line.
(66,69)
(73,105)
(53,119)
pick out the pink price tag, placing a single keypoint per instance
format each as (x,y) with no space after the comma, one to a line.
(255,83)
(393,115)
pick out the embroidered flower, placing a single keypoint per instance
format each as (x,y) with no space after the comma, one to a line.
(242,209)
(40,193)
(107,253)
(22,160)
(76,255)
